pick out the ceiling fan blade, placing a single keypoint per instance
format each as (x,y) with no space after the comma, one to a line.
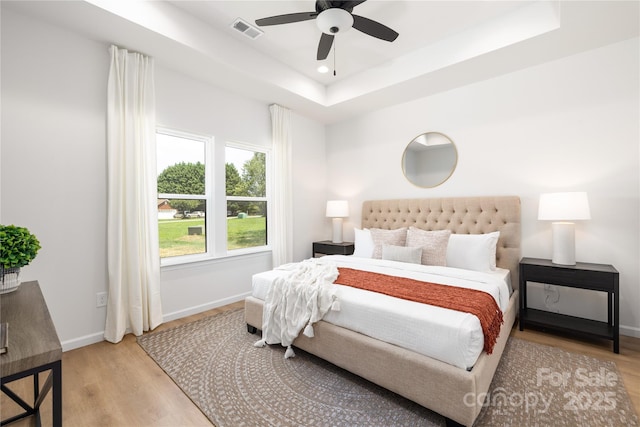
(374,28)
(350,4)
(324,47)
(286,19)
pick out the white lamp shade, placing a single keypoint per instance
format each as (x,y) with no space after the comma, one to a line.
(572,206)
(337,208)
(562,208)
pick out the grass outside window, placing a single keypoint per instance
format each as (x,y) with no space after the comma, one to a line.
(241,233)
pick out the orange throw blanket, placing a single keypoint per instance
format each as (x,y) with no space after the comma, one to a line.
(478,303)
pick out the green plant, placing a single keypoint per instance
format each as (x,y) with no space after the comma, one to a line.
(18,247)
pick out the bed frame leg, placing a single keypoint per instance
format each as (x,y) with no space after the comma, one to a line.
(450,423)
(251,329)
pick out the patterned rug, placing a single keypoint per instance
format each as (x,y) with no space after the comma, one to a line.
(214,362)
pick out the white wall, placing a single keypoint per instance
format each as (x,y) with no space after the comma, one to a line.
(310,186)
(54,164)
(572,124)
(53,171)
(189,105)
(194,106)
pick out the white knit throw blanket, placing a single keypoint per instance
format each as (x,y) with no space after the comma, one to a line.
(300,298)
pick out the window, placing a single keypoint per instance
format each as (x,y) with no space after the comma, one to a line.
(182,193)
(246,190)
(193,207)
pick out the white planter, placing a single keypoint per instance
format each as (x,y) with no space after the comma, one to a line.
(9,279)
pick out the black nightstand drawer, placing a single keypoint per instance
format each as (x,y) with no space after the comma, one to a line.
(327,247)
(570,276)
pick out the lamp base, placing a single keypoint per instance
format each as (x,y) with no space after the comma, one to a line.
(564,243)
(337,230)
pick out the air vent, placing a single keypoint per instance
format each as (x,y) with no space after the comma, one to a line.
(247,29)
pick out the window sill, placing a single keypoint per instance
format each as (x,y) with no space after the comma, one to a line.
(188,261)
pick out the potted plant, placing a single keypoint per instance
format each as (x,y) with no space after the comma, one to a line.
(18,247)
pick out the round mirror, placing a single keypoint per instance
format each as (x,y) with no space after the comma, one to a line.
(430,159)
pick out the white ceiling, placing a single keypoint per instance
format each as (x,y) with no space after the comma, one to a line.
(419,23)
(442,44)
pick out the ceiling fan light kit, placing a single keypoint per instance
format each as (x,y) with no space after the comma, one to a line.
(335,20)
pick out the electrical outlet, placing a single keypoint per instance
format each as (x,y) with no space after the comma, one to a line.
(101,299)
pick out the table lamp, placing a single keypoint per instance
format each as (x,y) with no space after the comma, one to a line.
(562,209)
(337,209)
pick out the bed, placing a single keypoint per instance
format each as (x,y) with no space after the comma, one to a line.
(441,386)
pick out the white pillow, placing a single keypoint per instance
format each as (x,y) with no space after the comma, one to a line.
(402,253)
(433,243)
(381,237)
(473,251)
(363,243)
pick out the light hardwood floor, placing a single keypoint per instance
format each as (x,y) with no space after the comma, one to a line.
(119,385)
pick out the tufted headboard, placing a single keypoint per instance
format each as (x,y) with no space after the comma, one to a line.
(470,215)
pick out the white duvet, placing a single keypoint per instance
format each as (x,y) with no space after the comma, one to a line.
(450,336)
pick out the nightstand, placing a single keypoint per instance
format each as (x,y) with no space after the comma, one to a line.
(594,277)
(327,247)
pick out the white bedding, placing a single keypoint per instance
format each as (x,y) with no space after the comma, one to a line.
(450,336)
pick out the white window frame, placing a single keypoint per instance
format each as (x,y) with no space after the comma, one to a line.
(216,198)
(266,198)
(208,181)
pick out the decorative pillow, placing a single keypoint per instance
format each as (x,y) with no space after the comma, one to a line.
(402,253)
(363,243)
(381,237)
(473,251)
(433,243)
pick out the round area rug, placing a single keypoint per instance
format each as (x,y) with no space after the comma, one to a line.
(214,362)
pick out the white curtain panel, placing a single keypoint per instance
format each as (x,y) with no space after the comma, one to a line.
(281,237)
(132,230)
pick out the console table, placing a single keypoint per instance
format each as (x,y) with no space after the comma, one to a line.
(33,348)
(594,277)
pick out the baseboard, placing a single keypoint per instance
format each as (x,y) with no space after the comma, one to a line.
(99,336)
(82,341)
(630,331)
(204,307)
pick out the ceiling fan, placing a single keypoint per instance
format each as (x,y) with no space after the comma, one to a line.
(333,17)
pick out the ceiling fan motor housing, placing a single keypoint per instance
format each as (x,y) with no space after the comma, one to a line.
(334,20)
